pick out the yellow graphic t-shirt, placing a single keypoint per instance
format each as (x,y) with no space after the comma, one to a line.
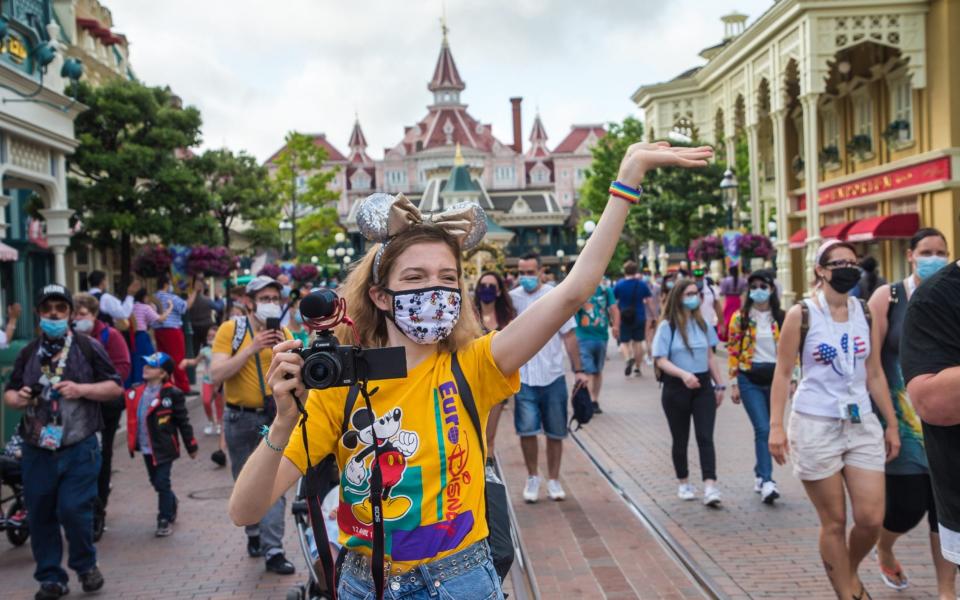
(243,389)
(431,456)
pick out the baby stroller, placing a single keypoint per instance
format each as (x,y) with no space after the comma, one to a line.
(314,538)
(13,518)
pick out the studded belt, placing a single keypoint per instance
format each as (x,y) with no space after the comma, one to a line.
(431,573)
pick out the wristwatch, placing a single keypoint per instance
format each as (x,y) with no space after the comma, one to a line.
(719,387)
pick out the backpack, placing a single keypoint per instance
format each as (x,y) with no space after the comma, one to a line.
(319,479)
(582,407)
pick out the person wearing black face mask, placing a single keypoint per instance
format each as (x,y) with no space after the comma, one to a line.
(835,440)
(496,310)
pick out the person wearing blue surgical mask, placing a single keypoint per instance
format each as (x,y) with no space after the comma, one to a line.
(692,385)
(909,492)
(754,331)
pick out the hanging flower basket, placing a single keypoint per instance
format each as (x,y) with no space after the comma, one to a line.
(304,273)
(705,249)
(152,261)
(210,262)
(270,270)
(754,245)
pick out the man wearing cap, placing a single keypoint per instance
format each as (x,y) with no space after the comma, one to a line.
(59,381)
(242,352)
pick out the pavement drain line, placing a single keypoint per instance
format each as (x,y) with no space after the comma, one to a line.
(708,586)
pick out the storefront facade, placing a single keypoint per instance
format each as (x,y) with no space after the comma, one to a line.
(849,103)
(36,135)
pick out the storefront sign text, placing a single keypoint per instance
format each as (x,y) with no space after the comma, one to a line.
(898,179)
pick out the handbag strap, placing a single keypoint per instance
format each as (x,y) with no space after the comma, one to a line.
(466,396)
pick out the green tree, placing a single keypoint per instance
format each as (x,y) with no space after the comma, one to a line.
(238,189)
(669,211)
(300,183)
(607,154)
(127,177)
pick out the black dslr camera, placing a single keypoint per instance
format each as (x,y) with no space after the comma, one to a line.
(327,363)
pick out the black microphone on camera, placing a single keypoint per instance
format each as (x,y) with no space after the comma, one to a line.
(319,304)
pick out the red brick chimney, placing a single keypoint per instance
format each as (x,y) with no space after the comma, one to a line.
(517,127)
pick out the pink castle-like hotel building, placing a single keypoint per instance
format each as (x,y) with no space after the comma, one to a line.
(529,194)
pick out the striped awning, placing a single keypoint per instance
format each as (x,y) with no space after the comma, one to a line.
(8,254)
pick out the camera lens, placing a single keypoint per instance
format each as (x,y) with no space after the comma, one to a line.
(321,370)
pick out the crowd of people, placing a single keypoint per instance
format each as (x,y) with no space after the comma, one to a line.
(870,368)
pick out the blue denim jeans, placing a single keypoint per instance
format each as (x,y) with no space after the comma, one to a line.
(426,583)
(60,489)
(542,408)
(593,353)
(756,401)
(160,480)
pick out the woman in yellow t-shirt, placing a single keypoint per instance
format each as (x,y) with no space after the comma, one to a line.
(409,291)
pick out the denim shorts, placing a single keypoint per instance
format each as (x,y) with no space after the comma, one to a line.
(542,409)
(592,355)
(450,578)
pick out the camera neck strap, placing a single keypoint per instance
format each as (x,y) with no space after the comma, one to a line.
(376,489)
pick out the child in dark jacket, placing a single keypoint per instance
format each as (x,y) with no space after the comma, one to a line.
(156,411)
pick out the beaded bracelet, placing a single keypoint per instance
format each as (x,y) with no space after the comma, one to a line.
(264,432)
(621,190)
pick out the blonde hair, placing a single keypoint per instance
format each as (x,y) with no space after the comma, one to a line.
(371,323)
(87,301)
(676,314)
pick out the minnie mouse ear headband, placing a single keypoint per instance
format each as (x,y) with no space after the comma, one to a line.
(381,217)
(826,246)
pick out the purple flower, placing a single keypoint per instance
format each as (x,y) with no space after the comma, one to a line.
(753,245)
(706,248)
(270,270)
(152,261)
(304,272)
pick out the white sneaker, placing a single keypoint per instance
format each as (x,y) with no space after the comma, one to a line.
(757,485)
(531,493)
(769,493)
(686,491)
(711,496)
(555,490)
(219,428)
(208,429)
(649,361)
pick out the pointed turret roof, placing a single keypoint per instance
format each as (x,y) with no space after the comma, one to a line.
(358,145)
(538,139)
(445,75)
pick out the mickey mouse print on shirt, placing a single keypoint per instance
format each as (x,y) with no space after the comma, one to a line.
(396,446)
(826,354)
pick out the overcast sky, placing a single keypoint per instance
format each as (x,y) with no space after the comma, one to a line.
(258,69)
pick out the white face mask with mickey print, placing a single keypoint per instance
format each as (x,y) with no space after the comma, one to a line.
(426,315)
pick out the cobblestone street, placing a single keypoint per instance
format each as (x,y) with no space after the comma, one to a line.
(748,548)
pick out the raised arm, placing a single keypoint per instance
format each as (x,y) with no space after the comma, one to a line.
(526,335)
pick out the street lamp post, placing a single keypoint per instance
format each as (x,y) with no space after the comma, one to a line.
(730,191)
(286,237)
(560,256)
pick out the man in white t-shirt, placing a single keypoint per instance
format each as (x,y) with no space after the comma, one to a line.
(710,308)
(541,403)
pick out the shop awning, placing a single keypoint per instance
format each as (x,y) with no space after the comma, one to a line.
(8,254)
(798,239)
(890,226)
(837,231)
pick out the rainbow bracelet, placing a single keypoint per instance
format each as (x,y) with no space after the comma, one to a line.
(620,190)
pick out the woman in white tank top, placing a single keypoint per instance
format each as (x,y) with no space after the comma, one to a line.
(834,439)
